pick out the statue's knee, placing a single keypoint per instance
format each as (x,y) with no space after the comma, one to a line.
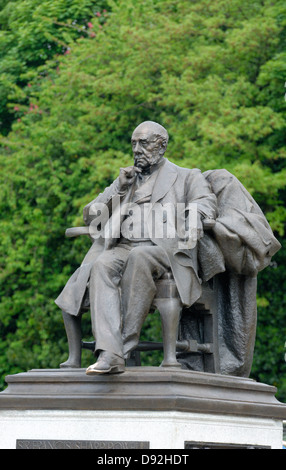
(137,255)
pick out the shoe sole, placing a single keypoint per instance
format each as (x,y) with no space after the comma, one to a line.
(111,370)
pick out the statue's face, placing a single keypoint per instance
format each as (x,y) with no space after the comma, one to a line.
(147,148)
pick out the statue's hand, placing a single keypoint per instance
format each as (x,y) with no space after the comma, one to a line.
(127,177)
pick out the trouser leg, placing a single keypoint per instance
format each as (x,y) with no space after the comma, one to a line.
(105,303)
(73,331)
(144,266)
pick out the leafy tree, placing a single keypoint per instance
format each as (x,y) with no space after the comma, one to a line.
(269,367)
(212,72)
(32,32)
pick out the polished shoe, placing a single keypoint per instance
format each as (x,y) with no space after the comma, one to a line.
(107,363)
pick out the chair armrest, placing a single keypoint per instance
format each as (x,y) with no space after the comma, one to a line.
(76,232)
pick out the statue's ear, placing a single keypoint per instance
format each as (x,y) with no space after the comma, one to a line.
(163,146)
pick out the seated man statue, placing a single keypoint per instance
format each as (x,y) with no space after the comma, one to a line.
(122,266)
(150,221)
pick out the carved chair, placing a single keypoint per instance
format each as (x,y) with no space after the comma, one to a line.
(167,302)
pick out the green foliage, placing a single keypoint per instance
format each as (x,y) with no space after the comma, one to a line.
(269,367)
(32,32)
(211,71)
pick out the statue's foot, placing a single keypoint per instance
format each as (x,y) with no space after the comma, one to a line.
(71,364)
(107,363)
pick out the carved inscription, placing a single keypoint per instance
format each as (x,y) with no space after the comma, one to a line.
(58,444)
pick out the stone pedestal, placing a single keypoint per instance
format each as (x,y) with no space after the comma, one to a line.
(144,408)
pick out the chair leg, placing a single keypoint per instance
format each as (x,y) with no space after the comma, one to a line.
(170,312)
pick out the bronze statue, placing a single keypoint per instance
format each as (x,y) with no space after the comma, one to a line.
(150,222)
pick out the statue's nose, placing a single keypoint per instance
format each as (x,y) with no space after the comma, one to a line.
(137,148)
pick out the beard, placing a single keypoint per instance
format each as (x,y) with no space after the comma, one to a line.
(145,161)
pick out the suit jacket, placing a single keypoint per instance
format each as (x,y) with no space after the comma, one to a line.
(173,185)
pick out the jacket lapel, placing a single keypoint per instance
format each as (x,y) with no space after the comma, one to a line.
(166,178)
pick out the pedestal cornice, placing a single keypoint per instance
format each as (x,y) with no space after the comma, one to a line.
(141,388)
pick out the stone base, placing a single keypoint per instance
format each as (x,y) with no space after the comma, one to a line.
(143,408)
(55,429)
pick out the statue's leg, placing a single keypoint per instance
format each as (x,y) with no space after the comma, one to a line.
(105,309)
(73,331)
(104,297)
(145,265)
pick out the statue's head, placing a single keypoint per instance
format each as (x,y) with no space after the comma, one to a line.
(149,144)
